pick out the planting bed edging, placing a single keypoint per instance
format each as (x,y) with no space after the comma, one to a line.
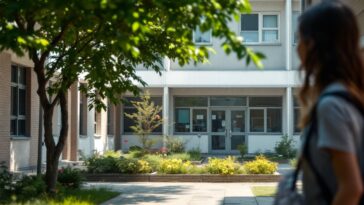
(182,178)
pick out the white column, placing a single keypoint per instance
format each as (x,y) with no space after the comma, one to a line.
(165,114)
(289,111)
(103,127)
(288,34)
(91,129)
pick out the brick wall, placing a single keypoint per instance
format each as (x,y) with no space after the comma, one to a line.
(5,76)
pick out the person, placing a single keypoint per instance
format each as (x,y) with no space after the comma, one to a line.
(329,50)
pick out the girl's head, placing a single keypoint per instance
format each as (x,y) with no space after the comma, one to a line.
(329,51)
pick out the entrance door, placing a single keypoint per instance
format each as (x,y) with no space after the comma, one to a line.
(227,130)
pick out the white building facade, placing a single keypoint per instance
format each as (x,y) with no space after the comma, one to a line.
(218,105)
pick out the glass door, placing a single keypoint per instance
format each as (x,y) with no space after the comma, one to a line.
(236,129)
(218,130)
(227,130)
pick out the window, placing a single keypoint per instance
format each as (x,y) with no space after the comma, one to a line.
(182,120)
(110,118)
(97,123)
(201,38)
(295,16)
(256,120)
(18,101)
(260,28)
(83,114)
(228,101)
(265,114)
(199,123)
(296,115)
(130,109)
(190,114)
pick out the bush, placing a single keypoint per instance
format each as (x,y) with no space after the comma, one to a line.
(260,166)
(243,149)
(225,166)
(133,166)
(101,164)
(174,166)
(136,153)
(182,156)
(195,154)
(29,187)
(153,160)
(135,148)
(175,145)
(6,185)
(285,147)
(111,153)
(293,162)
(70,178)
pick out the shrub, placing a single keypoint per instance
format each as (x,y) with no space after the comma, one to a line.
(111,153)
(174,166)
(70,178)
(225,166)
(101,164)
(197,170)
(243,149)
(133,166)
(195,154)
(136,153)
(153,160)
(260,166)
(6,185)
(135,148)
(144,167)
(182,156)
(285,147)
(293,162)
(175,145)
(29,187)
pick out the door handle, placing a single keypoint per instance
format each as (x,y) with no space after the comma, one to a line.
(230,133)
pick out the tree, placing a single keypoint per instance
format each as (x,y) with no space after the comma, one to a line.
(147,118)
(104,40)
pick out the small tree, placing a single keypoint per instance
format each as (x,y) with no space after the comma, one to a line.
(285,147)
(146,120)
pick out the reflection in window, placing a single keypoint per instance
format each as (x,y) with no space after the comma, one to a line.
(274,120)
(130,109)
(182,120)
(256,120)
(250,27)
(18,101)
(200,37)
(199,121)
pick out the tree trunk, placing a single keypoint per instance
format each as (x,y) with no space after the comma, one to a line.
(52,171)
(54,150)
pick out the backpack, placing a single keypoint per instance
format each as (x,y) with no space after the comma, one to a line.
(287,193)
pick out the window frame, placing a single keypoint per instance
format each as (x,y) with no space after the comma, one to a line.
(261,29)
(191,108)
(202,43)
(265,108)
(19,86)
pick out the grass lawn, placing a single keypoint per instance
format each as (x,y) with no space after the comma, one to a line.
(74,197)
(264,190)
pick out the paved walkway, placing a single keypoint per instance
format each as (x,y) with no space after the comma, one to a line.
(185,193)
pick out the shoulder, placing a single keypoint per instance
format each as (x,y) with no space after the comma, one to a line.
(334,106)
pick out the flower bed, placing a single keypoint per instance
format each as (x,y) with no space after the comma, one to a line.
(141,163)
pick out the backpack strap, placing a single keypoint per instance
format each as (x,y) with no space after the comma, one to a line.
(313,128)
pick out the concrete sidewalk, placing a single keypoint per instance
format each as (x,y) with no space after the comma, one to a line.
(185,193)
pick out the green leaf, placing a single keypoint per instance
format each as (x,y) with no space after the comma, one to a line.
(135,26)
(21,40)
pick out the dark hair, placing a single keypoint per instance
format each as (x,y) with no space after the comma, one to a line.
(331,31)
